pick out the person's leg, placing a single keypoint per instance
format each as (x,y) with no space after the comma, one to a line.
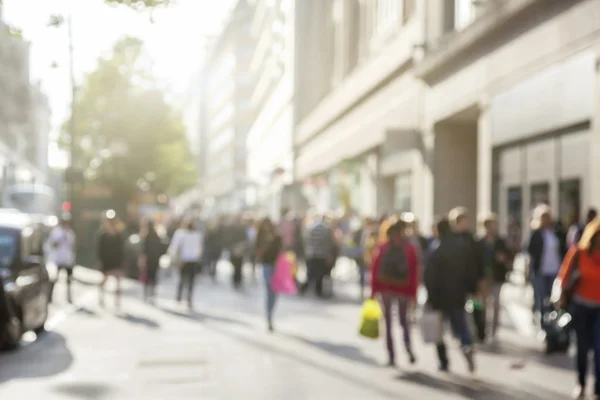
(460,327)
(268,271)
(69,271)
(403,308)
(582,324)
(182,278)
(360,264)
(387,300)
(320,272)
(496,307)
(118,294)
(193,268)
(101,288)
(596,348)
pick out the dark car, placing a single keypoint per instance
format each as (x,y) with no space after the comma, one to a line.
(25,287)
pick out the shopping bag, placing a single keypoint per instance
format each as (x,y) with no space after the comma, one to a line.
(283,281)
(431,326)
(370,315)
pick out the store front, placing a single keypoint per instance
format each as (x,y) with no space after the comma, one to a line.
(552,171)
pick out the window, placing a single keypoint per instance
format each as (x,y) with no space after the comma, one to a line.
(8,247)
(464,14)
(515,204)
(569,201)
(403,193)
(540,194)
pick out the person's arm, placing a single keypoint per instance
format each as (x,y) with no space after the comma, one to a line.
(375,269)
(567,267)
(414,265)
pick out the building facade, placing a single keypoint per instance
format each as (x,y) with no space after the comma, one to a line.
(357,136)
(226,113)
(270,139)
(423,106)
(24,116)
(512,107)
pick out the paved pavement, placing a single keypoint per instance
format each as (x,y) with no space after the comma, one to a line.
(222,351)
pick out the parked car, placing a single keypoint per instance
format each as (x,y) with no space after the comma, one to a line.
(25,287)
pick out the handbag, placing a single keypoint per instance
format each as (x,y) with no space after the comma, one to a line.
(431,324)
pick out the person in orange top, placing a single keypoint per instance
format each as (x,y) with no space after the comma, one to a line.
(580,273)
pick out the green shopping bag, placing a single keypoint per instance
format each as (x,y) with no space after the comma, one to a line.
(370,316)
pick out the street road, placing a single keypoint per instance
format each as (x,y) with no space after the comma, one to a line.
(223,351)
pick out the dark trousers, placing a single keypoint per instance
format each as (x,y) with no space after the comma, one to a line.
(460,329)
(316,271)
(69,271)
(151,279)
(237,263)
(586,321)
(187,277)
(402,302)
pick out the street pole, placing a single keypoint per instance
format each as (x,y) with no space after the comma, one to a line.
(72,121)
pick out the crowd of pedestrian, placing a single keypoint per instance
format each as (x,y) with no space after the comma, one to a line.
(462,272)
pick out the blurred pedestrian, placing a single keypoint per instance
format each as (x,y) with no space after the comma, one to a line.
(186,247)
(319,254)
(153,247)
(448,285)
(62,250)
(111,254)
(395,278)
(579,278)
(268,247)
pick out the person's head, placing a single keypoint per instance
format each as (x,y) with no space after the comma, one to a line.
(397,229)
(188,224)
(591,215)
(545,217)
(590,240)
(109,222)
(410,221)
(150,227)
(65,220)
(443,227)
(266,226)
(459,219)
(490,223)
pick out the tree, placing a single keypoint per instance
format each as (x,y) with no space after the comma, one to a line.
(125,129)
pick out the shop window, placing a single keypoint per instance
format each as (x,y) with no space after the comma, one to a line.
(540,194)
(515,205)
(569,201)
(403,193)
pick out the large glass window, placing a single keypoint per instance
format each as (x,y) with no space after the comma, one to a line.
(569,201)
(403,193)
(540,194)
(515,204)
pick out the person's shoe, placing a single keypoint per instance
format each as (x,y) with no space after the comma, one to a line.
(411,357)
(270,327)
(579,393)
(444,368)
(391,363)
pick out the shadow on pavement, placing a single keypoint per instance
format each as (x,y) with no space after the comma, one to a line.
(86,312)
(529,355)
(308,362)
(84,390)
(201,317)
(478,390)
(47,356)
(139,320)
(348,352)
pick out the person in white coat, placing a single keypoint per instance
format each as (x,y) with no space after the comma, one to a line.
(62,243)
(186,248)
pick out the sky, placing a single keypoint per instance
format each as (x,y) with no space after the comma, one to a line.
(174,38)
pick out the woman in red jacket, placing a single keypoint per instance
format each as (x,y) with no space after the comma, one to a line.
(395,278)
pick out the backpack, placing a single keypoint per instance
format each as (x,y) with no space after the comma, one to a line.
(394,269)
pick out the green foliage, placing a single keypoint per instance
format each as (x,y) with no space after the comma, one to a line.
(120,106)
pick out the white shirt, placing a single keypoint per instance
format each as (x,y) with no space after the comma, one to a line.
(62,246)
(550,263)
(186,246)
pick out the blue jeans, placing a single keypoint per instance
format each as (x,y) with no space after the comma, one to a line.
(268,272)
(586,321)
(460,329)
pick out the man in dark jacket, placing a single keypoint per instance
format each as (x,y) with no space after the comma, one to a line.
(467,248)
(448,288)
(497,262)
